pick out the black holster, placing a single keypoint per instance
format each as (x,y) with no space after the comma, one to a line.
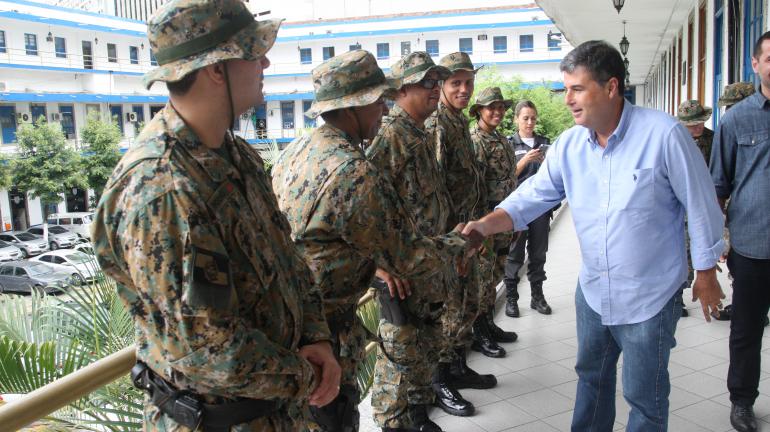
(392,309)
(340,415)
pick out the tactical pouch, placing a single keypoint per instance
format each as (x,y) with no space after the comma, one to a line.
(392,309)
(339,415)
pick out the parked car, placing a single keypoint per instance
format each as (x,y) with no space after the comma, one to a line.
(29,244)
(80,266)
(85,247)
(24,276)
(76,222)
(9,252)
(58,237)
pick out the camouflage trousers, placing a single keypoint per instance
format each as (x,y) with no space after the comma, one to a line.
(349,345)
(462,309)
(492,270)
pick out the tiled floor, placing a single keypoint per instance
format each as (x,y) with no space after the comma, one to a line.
(536,381)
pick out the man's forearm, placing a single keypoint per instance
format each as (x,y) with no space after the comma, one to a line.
(496,222)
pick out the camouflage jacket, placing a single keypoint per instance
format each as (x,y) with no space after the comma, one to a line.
(704,143)
(448,129)
(204,261)
(348,220)
(402,151)
(495,154)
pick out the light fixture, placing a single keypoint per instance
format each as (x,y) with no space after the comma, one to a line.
(626,62)
(49,38)
(96,41)
(141,45)
(624,42)
(618,4)
(628,79)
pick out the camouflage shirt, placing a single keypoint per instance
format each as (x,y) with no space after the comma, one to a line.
(204,261)
(348,220)
(704,143)
(464,179)
(495,155)
(402,151)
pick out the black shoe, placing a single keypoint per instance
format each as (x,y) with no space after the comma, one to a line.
(447,396)
(540,305)
(498,334)
(742,418)
(463,377)
(420,420)
(483,341)
(512,308)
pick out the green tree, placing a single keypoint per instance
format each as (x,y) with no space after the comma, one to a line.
(6,165)
(46,165)
(553,115)
(100,140)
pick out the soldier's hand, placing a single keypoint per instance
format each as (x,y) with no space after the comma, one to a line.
(474,238)
(395,285)
(461,265)
(320,356)
(706,289)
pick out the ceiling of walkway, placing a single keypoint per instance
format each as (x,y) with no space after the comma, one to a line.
(650,26)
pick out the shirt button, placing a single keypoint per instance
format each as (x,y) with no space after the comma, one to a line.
(606,157)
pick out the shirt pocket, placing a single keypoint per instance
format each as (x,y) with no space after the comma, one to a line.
(638,189)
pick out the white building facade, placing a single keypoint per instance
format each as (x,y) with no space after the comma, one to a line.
(62,64)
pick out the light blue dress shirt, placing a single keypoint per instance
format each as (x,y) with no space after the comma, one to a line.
(628,203)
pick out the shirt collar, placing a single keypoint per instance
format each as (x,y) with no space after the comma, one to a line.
(397,111)
(759,98)
(620,129)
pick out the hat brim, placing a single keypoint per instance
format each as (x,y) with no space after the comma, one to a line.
(362,97)
(698,120)
(443,73)
(251,43)
(475,107)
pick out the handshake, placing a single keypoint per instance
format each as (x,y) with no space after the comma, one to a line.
(474,243)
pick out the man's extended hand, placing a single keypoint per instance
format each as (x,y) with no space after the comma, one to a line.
(706,289)
(395,285)
(320,356)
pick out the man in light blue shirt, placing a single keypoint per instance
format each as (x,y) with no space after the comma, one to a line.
(629,174)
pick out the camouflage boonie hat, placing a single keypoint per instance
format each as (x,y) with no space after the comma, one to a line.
(186,35)
(458,61)
(691,113)
(348,80)
(413,68)
(736,92)
(487,97)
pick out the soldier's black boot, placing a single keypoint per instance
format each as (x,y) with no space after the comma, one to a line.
(511,301)
(464,377)
(497,333)
(420,420)
(538,302)
(447,397)
(483,341)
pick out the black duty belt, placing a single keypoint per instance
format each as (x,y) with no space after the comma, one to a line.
(186,408)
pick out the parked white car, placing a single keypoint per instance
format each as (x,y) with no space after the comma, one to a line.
(81,266)
(77,222)
(87,248)
(9,252)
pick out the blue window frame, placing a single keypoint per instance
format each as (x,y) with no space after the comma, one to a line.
(719,20)
(2,41)
(116,115)
(431,47)
(67,120)
(500,44)
(133,54)
(60,46)
(466,45)
(554,41)
(383,51)
(287,114)
(526,43)
(30,43)
(153,61)
(37,111)
(305,56)
(753,29)
(309,121)
(328,52)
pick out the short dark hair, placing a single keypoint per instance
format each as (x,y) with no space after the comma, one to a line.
(600,59)
(182,86)
(758,45)
(524,103)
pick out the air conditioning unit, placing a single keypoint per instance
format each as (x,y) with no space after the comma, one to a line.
(482,37)
(131,116)
(246,116)
(261,124)
(23,118)
(55,117)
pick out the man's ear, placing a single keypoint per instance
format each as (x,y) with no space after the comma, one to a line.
(613,87)
(215,72)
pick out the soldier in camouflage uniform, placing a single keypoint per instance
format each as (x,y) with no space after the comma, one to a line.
(448,130)
(495,155)
(225,308)
(346,217)
(693,116)
(404,153)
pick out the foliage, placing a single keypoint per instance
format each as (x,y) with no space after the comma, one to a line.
(46,165)
(553,115)
(270,155)
(369,313)
(101,140)
(6,164)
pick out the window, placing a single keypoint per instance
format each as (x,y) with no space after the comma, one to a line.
(30,43)
(37,111)
(93,109)
(526,43)
(328,52)
(466,45)
(554,41)
(383,51)
(112,53)
(309,122)
(305,56)
(356,46)
(67,120)
(6,271)
(153,61)
(500,44)
(88,55)
(406,48)
(133,54)
(287,114)
(431,47)
(2,41)
(60,45)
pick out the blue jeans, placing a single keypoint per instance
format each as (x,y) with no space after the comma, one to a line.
(646,347)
